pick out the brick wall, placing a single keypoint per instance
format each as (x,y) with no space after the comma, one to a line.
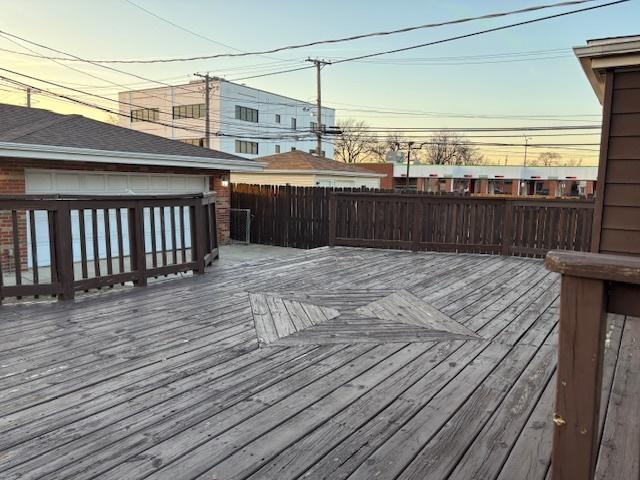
(12,181)
(223,204)
(385,168)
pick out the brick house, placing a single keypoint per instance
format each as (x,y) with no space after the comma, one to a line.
(42,152)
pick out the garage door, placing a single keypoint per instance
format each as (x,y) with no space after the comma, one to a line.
(108,183)
(40,182)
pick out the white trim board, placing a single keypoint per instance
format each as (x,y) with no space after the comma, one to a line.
(55,153)
(112,183)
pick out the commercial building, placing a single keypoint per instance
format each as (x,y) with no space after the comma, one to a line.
(244,121)
(490,179)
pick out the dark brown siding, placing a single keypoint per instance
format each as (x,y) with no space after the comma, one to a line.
(618,210)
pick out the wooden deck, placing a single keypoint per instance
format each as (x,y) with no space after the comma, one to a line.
(340,363)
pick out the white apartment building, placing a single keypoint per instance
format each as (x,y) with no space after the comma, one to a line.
(245,121)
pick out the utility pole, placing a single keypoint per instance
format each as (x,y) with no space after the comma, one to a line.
(28,97)
(408,158)
(319,64)
(207,108)
(526,144)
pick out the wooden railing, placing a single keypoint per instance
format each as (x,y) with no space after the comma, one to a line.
(57,245)
(507,226)
(592,285)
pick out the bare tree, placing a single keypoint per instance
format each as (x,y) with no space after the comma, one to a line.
(354,143)
(381,146)
(449,148)
(573,162)
(546,159)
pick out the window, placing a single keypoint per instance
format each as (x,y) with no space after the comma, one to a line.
(277,118)
(277,148)
(196,110)
(312,151)
(198,142)
(246,147)
(293,124)
(313,126)
(145,115)
(293,149)
(246,114)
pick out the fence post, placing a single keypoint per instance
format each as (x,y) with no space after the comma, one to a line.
(416,230)
(64,250)
(333,205)
(507,228)
(136,244)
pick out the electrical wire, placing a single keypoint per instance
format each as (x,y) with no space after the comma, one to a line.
(349,38)
(480,32)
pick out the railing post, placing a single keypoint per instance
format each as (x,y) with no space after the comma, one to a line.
(198,235)
(579,378)
(333,206)
(64,250)
(507,228)
(136,243)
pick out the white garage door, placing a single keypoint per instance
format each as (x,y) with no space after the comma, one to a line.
(108,183)
(105,183)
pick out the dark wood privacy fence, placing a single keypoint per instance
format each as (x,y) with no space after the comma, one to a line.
(507,226)
(299,217)
(286,216)
(54,245)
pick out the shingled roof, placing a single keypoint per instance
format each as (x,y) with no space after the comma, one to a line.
(35,126)
(302,161)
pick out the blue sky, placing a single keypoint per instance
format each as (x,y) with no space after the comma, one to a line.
(549,83)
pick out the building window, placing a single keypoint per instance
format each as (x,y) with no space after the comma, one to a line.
(145,115)
(277,118)
(246,114)
(293,149)
(293,124)
(196,110)
(246,147)
(312,151)
(313,126)
(277,148)
(198,142)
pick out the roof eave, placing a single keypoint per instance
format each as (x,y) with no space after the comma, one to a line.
(71,154)
(598,56)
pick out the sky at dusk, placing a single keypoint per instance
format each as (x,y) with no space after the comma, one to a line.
(523,76)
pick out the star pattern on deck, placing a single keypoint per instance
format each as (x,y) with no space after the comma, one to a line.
(350,316)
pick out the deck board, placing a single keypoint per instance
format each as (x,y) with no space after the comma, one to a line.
(377,364)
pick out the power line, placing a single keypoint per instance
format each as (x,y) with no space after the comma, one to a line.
(300,135)
(345,39)
(369,130)
(445,40)
(480,32)
(184,29)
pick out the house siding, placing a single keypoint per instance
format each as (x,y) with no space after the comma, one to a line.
(619,197)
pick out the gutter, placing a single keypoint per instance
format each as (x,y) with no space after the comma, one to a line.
(72,154)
